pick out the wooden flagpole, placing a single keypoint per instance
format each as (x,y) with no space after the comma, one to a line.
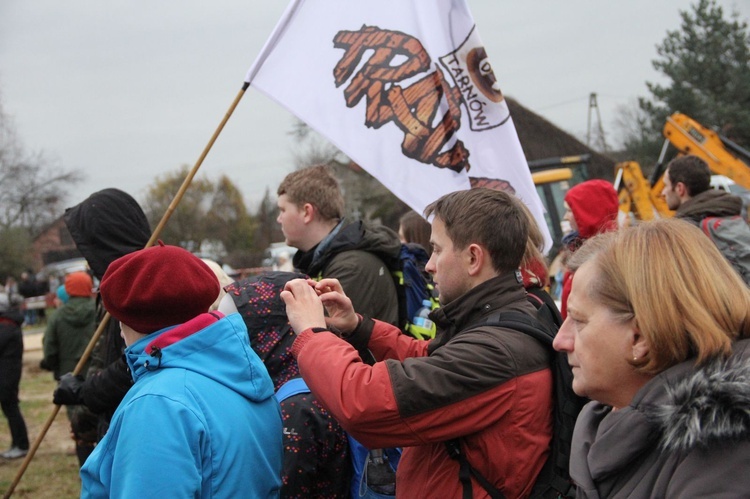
(105,319)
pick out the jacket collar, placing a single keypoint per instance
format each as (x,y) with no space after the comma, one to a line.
(712,202)
(664,414)
(477,303)
(310,261)
(723,387)
(146,353)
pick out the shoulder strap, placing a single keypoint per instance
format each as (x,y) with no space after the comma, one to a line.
(524,323)
(292,387)
(466,471)
(517,321)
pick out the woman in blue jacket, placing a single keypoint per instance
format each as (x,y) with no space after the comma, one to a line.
(201,419)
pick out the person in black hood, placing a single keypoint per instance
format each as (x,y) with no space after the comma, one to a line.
(106,226)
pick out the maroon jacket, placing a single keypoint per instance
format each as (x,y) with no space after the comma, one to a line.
(488,385)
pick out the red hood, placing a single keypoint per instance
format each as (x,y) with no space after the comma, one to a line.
(594,204)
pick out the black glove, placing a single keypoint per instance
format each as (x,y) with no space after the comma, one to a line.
(68,391)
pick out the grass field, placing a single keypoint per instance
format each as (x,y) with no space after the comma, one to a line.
(53,473)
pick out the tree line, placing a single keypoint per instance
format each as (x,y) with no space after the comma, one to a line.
(706,69)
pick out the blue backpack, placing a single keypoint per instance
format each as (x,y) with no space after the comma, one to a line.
(363,459)
(414,286)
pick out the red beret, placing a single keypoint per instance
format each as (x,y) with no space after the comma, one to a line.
(157,287)
(78,284)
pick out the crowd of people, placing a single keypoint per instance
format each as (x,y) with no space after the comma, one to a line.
(179,397)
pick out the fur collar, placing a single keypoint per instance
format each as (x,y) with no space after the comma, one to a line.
(709,406)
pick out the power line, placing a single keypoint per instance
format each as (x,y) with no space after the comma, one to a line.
(572,101)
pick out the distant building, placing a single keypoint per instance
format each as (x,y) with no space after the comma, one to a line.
(53,244)
(540,139)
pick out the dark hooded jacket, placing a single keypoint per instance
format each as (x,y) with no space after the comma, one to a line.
(316,452)
(710,203)
(361,256)
(105,226)
(685,434)
(11,353)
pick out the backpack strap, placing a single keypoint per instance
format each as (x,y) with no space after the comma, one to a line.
(466,471)
(524,323)
(294,386)
(517,321)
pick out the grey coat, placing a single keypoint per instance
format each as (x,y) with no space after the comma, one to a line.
(685,434)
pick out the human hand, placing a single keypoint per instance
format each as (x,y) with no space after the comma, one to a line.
(303,306)
(341,313)
(68,391)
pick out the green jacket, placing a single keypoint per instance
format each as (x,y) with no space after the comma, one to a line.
(361,256)
(68,332)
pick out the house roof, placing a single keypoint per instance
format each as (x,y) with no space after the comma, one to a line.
(541,139)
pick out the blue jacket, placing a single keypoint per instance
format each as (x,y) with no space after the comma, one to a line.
(200,420)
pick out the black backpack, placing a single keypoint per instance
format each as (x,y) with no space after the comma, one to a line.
(554,478)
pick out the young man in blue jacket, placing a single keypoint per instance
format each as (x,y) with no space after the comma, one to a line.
(201,419)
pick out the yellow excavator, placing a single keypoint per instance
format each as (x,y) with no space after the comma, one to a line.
(642,198)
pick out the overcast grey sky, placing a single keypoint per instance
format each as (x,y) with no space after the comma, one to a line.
(125,90)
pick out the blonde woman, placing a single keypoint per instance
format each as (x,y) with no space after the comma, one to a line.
(657,338)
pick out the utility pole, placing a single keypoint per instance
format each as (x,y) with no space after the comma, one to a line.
(594,105)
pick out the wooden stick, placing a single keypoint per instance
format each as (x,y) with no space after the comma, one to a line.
(105,319)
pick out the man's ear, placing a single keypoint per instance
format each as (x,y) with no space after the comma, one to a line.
(681,189)
(477,259)
(308,212)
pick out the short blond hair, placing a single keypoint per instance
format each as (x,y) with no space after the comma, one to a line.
(315,185)
(686,299)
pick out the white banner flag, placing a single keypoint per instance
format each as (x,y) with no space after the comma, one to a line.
(402,87)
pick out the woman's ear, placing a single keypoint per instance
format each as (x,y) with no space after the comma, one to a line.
(640,345)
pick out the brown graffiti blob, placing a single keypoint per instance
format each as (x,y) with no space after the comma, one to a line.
(396,57)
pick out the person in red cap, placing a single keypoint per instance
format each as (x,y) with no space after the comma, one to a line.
(68,332)
(201,419)
(591,208)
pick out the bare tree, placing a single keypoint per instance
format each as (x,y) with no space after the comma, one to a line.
(32,190)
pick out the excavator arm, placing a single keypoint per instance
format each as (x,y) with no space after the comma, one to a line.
(690,137)
(639,197)
(636,194)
